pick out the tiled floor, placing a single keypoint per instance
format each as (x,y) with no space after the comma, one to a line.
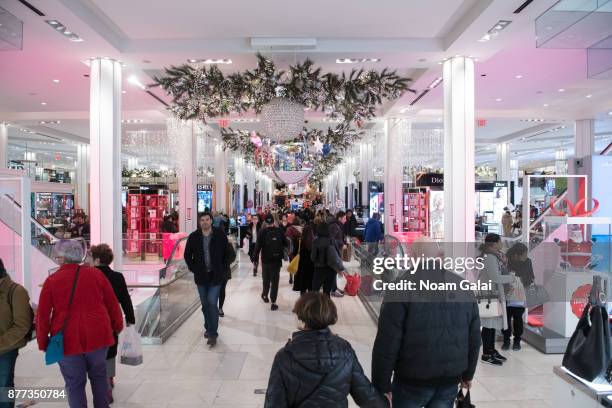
(185,373)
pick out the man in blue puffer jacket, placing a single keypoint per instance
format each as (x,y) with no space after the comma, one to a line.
(373,234)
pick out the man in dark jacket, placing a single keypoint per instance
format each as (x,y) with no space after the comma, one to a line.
(326,260)
(271,243)
(206,256)
(428,340)
(373,234)
(336,233)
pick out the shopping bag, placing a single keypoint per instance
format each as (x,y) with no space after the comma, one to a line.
(536,295)
(293,265)
(588,351)
(464,401)
(131,349)
(340,281)
(353,282)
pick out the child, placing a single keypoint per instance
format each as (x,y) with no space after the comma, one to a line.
(519,265)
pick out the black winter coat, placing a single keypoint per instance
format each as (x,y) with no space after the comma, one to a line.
(117,281)
(317,369)
(432,340)
(325,255)
(194,257)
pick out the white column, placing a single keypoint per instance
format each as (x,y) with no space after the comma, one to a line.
(363,172)
(395,131)
(514,176)
(220,178)
(503,161)
(82,177)
(585,138)
(239,171)
(185,140)
(459,140)
(561,161)
(3,145)
(105,142)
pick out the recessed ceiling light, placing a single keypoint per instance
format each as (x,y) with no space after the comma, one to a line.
(561,89)
(134,81)
(498,99)
(123,92)
(589,96)
(435,83)
(43,103)
(519,76)
(56,81)
(610,113)
(545,105)
(62,29)
(192,60)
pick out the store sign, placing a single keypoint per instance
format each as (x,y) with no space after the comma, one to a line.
(501,184)
(481,122)
(430,180)
(579,300)
(204,187)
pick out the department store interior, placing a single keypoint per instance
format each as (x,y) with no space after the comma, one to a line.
(122,122)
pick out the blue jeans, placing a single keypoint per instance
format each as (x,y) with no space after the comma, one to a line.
(76,368)
(7,373)
(410,396)
(209,297)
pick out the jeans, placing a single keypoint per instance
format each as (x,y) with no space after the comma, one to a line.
(7,373)
(271,276)
(409,396)
(515,321)
(325,277)
(75,370)
(209,297)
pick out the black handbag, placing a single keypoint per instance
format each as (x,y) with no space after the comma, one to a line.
(464,401)
(588,351)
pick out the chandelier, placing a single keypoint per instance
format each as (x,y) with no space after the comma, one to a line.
(283,119)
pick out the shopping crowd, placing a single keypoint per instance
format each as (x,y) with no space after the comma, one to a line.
(424,352)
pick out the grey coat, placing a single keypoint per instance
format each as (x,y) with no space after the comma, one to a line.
(492,271)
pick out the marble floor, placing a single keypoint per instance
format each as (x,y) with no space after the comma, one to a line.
(184,372)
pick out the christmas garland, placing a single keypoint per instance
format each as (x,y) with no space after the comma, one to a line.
(205,92)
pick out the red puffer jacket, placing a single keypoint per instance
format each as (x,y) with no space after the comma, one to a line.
(94,314)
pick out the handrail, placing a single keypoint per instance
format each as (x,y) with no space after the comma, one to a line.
(177,276)
(33,220)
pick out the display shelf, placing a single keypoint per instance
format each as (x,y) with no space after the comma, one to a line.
(416,210)
(144,219)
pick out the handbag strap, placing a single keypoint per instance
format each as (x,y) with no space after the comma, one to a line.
(76,276)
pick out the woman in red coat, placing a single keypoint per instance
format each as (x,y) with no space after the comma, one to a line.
(90,322)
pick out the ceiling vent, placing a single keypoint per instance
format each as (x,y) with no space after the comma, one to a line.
(283,44)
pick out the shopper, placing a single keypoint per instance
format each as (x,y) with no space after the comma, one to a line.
(207,258)
(271,243)
(495,267)
(336,233)
(252,233)
(293,233)
(231,257)
(520,265)
(428,342)
(88,322)
(15,326)
(303,277)
(326,260)
(507,222)
(373,234)
(284,224)
(350,227)
(102,256)
(317,368)
(168,225)
(79,227)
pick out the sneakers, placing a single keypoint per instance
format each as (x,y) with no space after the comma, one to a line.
(498,356)
(221,314)
(265,298)
(274,306)
(212,342)
(490,359)
(337,293)
(516,346)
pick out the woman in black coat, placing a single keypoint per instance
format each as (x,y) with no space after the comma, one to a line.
(317,368)
(302,281)
(102,257)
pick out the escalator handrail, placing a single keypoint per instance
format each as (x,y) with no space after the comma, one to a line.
(34,221)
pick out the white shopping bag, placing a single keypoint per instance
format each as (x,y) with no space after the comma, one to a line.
(340,281)
(130,351)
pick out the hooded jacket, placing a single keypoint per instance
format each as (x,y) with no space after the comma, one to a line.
(317,369)
(15,320)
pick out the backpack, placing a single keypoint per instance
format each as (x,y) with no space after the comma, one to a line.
(30,334)
(273,248)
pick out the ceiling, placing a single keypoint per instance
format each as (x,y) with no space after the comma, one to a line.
(410,36)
